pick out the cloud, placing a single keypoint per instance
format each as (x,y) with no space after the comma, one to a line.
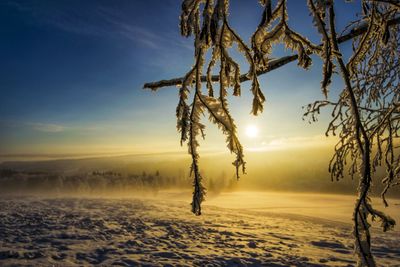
(294,142)
(46,127)
(35,126)
(135,33)
(103,21)
(54,127)
(130,30)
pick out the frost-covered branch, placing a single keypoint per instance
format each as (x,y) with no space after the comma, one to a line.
(270,66)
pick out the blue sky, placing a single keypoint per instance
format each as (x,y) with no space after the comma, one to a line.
(72,72)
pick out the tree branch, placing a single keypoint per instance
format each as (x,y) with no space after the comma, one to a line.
(274,64)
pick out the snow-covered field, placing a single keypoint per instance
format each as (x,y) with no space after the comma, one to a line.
(294,230)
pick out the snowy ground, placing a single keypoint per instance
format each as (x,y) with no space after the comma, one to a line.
(163,232)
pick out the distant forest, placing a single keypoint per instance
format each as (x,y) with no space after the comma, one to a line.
(100,182)
(298,171)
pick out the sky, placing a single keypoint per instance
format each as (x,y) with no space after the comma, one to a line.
(72,72)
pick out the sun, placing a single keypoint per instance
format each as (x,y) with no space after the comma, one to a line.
(251,131)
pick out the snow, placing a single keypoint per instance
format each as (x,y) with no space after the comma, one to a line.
(161,231)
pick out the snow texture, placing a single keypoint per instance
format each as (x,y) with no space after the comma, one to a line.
(133,232)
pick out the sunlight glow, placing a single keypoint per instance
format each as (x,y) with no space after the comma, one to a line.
(251,131)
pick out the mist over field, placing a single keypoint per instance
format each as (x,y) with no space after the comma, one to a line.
(294,171)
